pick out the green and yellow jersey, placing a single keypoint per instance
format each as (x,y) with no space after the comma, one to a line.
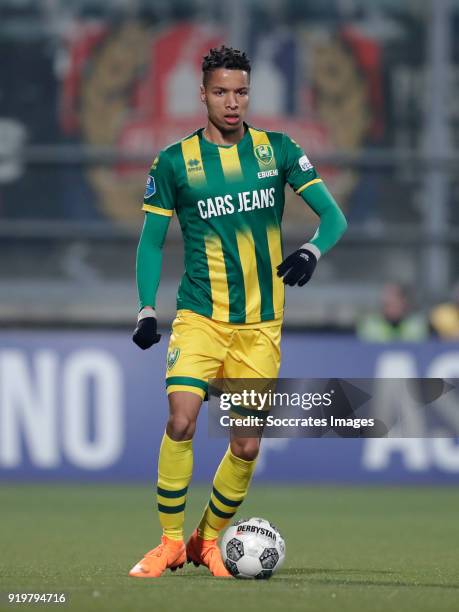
(229,201)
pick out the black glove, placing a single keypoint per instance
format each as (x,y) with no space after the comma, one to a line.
(297,268)
(145,334)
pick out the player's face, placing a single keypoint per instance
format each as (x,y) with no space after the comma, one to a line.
(226,96)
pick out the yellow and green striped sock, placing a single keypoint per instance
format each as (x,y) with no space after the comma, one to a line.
(175,466)
(230,486)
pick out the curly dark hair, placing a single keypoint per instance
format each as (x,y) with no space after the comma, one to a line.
(224,57)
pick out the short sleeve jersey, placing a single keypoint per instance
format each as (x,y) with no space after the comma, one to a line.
(230,201)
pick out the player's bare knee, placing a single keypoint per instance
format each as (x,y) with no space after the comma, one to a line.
(183,412)
(180,427)
(245,448)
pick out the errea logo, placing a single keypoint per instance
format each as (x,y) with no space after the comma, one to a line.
(194,165)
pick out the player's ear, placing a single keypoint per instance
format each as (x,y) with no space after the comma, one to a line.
(202,94)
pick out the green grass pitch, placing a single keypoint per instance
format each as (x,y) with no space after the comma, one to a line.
(348,549)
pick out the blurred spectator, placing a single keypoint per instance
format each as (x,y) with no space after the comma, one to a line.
(396,321)
(444,318)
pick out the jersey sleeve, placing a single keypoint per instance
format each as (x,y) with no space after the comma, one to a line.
(303,178)
(299,172)
(160,191)
(149,258)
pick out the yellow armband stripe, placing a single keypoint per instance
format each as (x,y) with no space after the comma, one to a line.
(303,187)
(159,211)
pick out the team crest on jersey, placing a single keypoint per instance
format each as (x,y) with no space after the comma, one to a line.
(264,154)
(172,357)
(150,189)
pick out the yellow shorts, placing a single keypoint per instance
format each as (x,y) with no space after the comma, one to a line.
(201,348)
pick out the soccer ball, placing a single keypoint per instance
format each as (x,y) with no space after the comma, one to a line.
(252,548)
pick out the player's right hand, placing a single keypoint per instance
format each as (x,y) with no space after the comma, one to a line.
(145,334)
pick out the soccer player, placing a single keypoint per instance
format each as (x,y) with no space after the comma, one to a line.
(226,184)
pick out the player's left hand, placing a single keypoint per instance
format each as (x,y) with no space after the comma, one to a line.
(297,268)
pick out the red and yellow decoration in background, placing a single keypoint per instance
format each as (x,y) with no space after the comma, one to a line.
(135,88)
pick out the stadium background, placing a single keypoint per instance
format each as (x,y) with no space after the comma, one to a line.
(90,90)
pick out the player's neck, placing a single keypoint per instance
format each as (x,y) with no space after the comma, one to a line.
(216,136)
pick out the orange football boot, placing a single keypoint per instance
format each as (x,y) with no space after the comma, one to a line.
(206,552)
(169,554)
